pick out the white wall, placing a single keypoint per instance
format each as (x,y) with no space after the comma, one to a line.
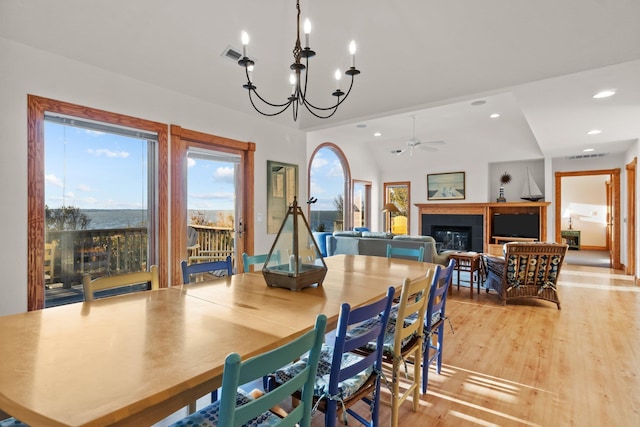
(30,71)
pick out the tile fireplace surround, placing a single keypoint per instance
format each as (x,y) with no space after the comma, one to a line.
(478,216)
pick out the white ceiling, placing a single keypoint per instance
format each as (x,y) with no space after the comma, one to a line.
(537,63)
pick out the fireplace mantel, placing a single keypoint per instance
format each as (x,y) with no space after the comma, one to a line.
(486,210)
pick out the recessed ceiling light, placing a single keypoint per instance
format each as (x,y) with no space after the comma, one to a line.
(594,132)
(588,150)
(604,94)
(494,115)
(377,134)
(478,102)
(361,126)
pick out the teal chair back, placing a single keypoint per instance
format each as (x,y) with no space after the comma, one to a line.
(416,253)
(249,260)
(236,373)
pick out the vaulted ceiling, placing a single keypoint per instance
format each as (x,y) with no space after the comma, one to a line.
(536,63)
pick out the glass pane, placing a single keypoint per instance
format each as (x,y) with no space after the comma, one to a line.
(96,199)
(399,196)
(211,205)
(360,205)
(327,185)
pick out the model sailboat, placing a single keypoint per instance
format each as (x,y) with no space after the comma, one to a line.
(531,191)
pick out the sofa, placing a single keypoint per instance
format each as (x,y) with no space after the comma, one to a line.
(375,243)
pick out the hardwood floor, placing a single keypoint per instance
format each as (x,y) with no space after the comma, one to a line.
(530,364)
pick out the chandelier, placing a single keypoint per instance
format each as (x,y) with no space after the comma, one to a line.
(298,95)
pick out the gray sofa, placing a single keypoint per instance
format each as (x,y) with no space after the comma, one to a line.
(373,243)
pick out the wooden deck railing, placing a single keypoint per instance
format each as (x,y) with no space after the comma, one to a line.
(98,252)
(213,243)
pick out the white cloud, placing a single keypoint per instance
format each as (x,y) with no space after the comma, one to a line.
(224,174)
(190,162)
(316,188)
(318,163)
(84,188)
(221,195)
(336,169)
(93,132)
(53,180)
(108,153)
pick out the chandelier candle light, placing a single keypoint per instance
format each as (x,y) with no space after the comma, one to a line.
(298,88)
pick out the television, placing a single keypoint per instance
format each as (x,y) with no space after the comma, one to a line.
(516,225)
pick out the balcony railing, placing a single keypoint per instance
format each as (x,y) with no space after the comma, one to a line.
(113,251)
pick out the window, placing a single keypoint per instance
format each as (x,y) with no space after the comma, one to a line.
(79,167)
(361,204)
(329,183)
(398,193)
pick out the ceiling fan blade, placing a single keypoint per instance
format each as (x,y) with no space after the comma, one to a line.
(434,142)
(427,148)
(398,151)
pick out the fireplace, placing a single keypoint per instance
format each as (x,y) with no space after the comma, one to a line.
(455,232)
(452,238)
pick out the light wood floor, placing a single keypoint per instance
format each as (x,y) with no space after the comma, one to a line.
(530,364)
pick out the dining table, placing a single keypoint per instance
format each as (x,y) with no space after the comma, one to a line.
(136,358)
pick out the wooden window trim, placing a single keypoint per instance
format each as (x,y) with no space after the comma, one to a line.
(36,108)
(181,140)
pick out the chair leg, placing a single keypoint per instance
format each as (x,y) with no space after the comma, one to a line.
(395,392)
(440,342)
(416,378)
(331,413)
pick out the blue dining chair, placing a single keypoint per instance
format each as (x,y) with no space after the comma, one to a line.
(407,253)
(213,267)
(434,321)
(237,407)
(345,378)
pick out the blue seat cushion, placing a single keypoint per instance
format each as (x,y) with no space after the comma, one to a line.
(346,388)
(210,414)
(12,422)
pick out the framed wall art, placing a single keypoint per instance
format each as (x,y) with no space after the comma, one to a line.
(446,186)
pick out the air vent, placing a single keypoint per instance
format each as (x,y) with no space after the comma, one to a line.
(231,54)
(586,156)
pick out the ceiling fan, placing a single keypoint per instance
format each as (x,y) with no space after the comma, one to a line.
(413,142)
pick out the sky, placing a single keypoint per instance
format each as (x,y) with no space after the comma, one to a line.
(327,180)
(97,170)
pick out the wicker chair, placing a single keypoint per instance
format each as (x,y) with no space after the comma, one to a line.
(527,270)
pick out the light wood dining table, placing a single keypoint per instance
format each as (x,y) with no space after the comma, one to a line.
(134,359)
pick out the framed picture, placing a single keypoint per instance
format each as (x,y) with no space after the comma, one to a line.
(445,186)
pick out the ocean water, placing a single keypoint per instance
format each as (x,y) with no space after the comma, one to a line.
(127,218)
(115,218)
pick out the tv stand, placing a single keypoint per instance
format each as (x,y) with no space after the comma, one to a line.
(499,239)
(496,248)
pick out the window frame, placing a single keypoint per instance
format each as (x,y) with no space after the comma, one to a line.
(386,200)
(36,108)
(347,188)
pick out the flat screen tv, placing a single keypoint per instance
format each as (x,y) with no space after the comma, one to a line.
(516,225)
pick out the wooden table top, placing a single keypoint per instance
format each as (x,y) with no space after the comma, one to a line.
(136,358)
